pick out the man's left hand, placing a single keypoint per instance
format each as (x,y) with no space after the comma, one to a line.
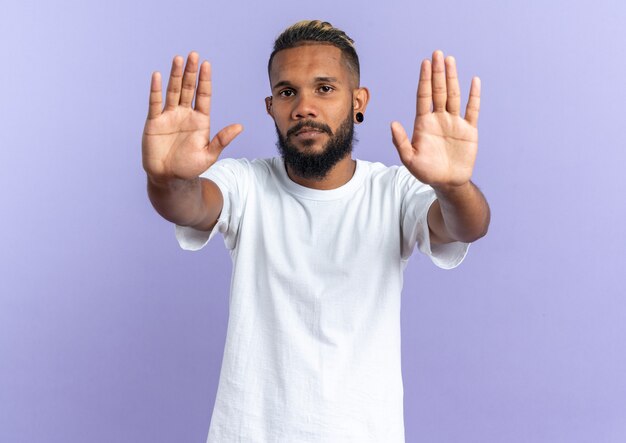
(443,148)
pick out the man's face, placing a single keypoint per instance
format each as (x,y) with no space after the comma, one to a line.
(312,108)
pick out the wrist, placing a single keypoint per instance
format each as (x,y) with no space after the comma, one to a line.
(452,190)
(169,182)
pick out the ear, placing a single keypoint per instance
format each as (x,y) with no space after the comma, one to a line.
(360,98)
(268,106)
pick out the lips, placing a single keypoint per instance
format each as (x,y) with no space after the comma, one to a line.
(307,130)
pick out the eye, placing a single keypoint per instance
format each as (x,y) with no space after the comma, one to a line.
(286,93)
(326,89)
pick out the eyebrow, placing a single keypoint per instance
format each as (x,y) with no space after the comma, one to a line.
(317,80)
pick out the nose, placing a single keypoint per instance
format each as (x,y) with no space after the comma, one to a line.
(304,107)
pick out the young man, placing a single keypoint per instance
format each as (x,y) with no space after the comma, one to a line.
(319,240)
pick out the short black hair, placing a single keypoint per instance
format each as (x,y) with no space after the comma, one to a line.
(316,31)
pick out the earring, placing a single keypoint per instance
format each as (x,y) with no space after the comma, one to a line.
(359,117)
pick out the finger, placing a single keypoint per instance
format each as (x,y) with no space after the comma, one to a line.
(439,82)
(172,96)
(189,80)
(424,89)
(401,141)
(453,104)
(156,96)
(203,94)
(223,138)
(473,103)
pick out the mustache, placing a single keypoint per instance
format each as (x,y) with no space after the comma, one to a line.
(309,124)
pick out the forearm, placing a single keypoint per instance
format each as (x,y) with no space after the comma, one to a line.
(186,202)
(463,214)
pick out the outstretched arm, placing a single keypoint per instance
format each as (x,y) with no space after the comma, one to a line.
(442,152)
(177,148)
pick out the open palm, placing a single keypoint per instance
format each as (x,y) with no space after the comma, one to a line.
(176,140)
(443,147)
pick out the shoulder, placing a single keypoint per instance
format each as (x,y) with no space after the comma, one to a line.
(394,179)
(381,174)
(266,169)
(232,165)
(260,171)
(240,167)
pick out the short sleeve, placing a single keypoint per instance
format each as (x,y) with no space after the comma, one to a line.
(416,199)
(232,177)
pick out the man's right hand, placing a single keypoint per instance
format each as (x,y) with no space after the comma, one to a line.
(176,141)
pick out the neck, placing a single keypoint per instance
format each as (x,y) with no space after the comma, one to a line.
(339,175)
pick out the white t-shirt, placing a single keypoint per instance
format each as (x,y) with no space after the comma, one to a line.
(312,348)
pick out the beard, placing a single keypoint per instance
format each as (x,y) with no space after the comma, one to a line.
(314,165)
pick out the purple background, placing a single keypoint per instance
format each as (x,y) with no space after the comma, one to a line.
(109,332)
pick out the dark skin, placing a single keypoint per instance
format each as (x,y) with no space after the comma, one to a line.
(314,82)
(442,152)
(177,146)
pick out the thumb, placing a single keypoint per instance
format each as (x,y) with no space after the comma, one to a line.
(401,141)
(223,138)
